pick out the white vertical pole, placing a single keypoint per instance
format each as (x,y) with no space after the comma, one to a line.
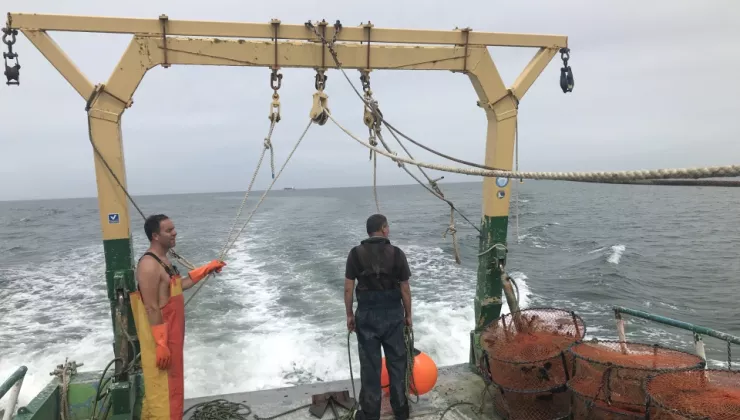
(620,331)
(13,399)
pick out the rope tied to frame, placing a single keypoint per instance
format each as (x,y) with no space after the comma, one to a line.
(372,118)
(65,373)
(453,231)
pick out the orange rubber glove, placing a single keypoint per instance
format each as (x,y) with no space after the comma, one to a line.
(199,273)
(163,352)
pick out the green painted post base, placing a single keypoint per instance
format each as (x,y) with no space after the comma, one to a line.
(81,396)
(122,397)
(119,275)
(487,303)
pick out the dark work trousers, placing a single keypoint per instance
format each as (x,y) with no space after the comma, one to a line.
(379,320)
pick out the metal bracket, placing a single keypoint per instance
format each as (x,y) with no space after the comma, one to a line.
(320,402)
(163,20)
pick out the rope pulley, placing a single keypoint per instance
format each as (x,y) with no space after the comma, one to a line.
(319,110)
(12,73)
(275,82)
(566,74)
(371,112)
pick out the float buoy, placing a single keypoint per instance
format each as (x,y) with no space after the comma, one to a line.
(424,375)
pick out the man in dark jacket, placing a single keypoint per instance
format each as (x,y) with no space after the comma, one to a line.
(383,308)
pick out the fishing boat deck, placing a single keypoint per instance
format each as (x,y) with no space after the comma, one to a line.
(456,383)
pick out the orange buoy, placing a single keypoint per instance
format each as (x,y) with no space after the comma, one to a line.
(424,374)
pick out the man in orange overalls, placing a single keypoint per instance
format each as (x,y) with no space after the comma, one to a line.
(159,313)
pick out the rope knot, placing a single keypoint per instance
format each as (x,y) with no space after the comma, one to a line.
(268,143)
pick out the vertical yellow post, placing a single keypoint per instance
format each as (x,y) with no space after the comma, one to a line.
(501,108)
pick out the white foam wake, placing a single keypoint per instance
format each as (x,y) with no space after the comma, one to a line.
(241,335)
(616,255)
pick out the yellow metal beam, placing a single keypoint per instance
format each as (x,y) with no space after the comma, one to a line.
(51,22)
(533,70)
(60,61)
(112,201)
(200,51)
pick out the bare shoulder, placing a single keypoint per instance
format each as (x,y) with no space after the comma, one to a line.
(148,270)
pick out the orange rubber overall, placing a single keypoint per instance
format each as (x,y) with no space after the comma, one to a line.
(164,389)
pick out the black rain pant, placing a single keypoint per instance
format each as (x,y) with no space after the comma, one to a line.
(379,321)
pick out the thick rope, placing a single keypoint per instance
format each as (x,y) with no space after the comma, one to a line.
(408,338)
(295,147)
(64,373)
(259,203)
(434,193)
(219,409)
(693,173)
(452,230)
(516,185)
(267,145)
(680,173)
(333,53)
(374,157)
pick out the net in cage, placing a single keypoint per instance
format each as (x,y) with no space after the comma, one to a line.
(699,394)
(584,407)
(528,349)
(615,372)
(518,405)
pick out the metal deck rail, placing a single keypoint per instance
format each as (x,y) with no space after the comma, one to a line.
(12,384)
(698,330)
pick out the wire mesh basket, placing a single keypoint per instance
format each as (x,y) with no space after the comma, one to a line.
(528,361)
(585,407)
(613,374)
(521,405)
(694,395)
(528,349)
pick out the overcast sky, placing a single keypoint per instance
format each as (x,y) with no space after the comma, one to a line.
(656,86)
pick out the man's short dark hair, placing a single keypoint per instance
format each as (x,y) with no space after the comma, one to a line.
(151,225)
(375,223)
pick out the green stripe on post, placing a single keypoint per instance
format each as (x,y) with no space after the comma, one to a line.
(488,290)
(487,304)
(119,275)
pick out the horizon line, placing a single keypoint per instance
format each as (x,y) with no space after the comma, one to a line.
(225,192)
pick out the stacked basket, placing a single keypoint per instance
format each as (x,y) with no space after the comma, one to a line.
(529,364)
(694,395)
(608,378)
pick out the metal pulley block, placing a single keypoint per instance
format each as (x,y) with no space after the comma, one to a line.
(275,108)
(12,73)
(368,118)
(319,111)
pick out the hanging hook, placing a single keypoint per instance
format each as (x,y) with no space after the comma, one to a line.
(12,73)
(321,78)
(566,74)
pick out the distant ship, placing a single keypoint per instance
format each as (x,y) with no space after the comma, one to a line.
(289,188)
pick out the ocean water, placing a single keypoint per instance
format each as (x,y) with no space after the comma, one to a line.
(275,316)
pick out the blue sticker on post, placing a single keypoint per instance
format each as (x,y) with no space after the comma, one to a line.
(113,218)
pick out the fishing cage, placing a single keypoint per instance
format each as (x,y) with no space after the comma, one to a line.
(528,362)
(608,377)
(694,395)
